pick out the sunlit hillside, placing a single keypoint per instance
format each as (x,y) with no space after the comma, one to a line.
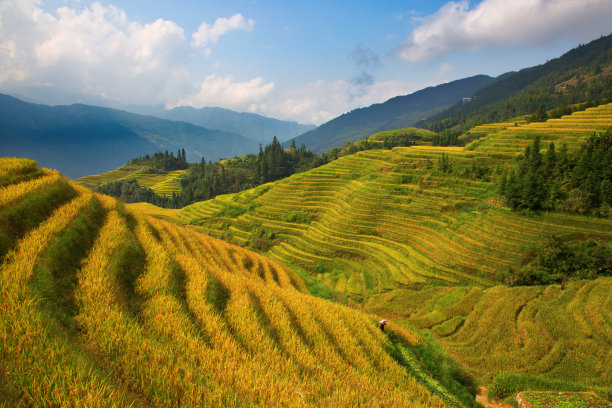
(383,219)
(420,234)
(551,338)
(103,306)
(512,138)
(163,183)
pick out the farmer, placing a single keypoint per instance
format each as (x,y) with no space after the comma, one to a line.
(382,324)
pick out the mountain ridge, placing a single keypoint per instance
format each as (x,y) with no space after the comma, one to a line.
(397,112)
(251,125)
(523,92)
(81,139)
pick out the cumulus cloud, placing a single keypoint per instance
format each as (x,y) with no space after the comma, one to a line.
(98,53)
(209,34)
(95,51)
(225,91)
(502,24)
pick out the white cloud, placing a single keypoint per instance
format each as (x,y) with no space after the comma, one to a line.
(209,34)
(321,101)
(316,102)
(96,51)
(226,92)
(502,24)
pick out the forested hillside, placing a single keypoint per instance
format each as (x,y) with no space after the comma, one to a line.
(81,140)
(580,75)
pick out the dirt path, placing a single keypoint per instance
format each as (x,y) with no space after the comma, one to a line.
(483,398)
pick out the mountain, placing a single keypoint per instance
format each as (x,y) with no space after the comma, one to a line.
(398,112)
(250,125)
(580,75)
(82,139)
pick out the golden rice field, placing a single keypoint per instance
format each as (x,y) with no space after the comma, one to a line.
(384,219)
(570,129)
(161,182)
(102,306)
(539,330)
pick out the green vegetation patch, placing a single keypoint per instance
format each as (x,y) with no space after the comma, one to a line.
(299,218)
(412,134)
(563,400)
(579,181)
(430,365)
(231,211)
(558,261)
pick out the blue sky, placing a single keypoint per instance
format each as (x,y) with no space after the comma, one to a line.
(304,61)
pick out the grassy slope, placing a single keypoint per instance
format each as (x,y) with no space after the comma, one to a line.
(103,306)
(423,247)
(162,183)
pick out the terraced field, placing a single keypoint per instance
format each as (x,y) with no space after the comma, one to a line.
(569,129)
(383,219)
(542,331)
(161,182)
(102,306)
(390,229)
(561,400)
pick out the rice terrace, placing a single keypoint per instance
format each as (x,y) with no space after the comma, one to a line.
(459,256)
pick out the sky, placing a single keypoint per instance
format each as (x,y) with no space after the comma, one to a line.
(307,61)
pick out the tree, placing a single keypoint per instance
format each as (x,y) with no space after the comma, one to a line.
(444,164)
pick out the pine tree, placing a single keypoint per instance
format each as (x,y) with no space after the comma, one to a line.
(550,162)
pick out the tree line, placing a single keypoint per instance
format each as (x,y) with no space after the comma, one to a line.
(205,180)
(163,161)
(559,180)
(556,261)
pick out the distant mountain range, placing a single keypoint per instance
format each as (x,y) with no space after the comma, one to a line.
(398,112)
(253,126)
(80,139)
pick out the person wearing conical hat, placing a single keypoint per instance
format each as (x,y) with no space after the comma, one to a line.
(382,324)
